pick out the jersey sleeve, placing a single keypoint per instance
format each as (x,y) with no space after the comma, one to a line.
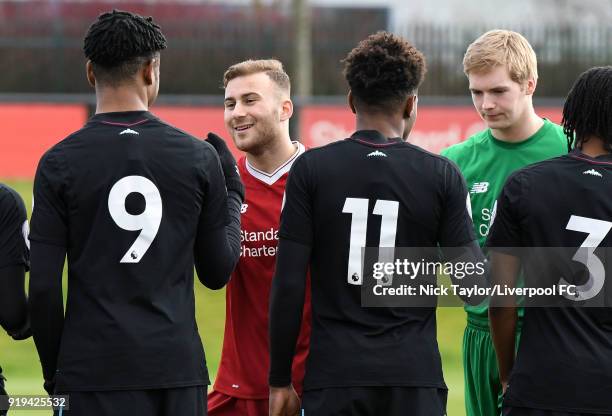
(50,211)
(296,216)
(505,231)
(214,212)
(456,227)
(14,246)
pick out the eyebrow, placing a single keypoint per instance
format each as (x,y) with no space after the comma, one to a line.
(496,88)
(245,95)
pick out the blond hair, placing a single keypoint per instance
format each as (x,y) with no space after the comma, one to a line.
(271,67)
(502,47)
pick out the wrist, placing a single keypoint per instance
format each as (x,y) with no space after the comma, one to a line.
(279,382)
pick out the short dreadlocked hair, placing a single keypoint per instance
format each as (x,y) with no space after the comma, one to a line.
(588,108)
(383,70)
(119,43)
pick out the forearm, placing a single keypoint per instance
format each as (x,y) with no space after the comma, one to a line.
(13,300)
(217,252)
(46,303)
(286,307)
(502,311)
(474,271)
(503,322)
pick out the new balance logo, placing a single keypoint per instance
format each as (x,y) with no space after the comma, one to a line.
(592,172)
(128,131)
(377,153)
(479,187)
(243,208)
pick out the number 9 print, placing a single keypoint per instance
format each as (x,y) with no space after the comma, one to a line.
(146,222)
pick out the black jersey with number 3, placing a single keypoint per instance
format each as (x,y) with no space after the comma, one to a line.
(126,195)
(564,360)
(370,191)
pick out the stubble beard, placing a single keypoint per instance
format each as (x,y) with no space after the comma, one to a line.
(262,142)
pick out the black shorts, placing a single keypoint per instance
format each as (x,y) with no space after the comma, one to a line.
(375,401)
(525,411)
(187,401)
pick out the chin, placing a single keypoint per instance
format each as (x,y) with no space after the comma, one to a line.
(245,144)
(498,125)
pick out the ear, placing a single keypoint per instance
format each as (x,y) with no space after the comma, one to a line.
(351,102)
(148,72)
(286,110)
(91,78)
(410,106)
(531,86)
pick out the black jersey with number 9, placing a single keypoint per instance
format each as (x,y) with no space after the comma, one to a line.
(126,196)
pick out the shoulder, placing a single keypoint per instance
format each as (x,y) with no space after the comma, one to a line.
(315,152)
(467,147)
(322,154)
(53,159)
(528,176)
(529,172)
(554,127)
(199,145)
(10,201)
(554,132)
(188,137)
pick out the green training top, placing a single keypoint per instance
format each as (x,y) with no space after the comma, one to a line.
(486,163)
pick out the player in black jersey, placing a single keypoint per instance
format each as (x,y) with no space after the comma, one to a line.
(14,262)
(133,203)
(370,190)
(563,365)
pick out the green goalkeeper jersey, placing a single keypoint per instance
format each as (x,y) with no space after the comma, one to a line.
(486,163)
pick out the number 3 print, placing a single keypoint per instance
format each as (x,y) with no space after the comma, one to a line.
(597,231)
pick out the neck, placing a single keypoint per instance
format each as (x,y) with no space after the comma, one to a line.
(594,147)
(273,156)
(523,129)
(387,126)
(110,100)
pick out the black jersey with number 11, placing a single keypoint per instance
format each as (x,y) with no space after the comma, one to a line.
(370,191)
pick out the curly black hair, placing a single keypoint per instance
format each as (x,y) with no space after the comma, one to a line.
(587,111)
(119,42)
(383,70)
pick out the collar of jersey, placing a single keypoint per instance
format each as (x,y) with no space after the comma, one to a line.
(542,131)
(271,178)
(374,138)
(123,118)
(599,160)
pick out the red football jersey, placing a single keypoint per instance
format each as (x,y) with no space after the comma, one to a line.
(245,359)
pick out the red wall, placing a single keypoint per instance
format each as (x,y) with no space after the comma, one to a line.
(436,127)
(28,130)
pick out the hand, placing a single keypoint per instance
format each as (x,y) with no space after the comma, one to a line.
(49,387)
(504,387)
(228,164)
(284,401)
(24,332)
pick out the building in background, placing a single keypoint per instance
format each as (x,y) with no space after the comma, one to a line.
(42,63)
